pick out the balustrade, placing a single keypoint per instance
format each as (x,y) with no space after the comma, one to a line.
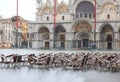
(83,15)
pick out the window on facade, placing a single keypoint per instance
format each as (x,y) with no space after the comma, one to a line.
(0,38)
(6,31)
(108,16)
(90,16)
(6,38)
(32,36)
(85,15)
(9,32)
(81,15)
(11,38)
(20,23)
(47,18)
(63,18)
(77,15)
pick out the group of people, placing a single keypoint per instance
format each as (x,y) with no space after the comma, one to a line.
(81,60)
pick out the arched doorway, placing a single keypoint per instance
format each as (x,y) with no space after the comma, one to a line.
(109,41)
(60,37)
(44,35)
(85,9)
(107,35)
(82,33)
(83,40)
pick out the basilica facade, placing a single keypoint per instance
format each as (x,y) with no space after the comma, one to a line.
(80,24)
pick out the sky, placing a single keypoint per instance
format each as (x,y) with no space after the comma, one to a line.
(26,8)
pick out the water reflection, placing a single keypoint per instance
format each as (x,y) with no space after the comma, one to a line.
(55,75)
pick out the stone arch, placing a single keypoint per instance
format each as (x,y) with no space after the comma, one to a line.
(46,10)
(43,29)
(60,36)
(77,2)
(84,9)
(44,33)
(83,40)
(103,25)
(82,34)
(85,6)
(62,9)
(107,36)
(81,26)
(74,23)
(108,6)
(59,28)
(106,30)
(108,11)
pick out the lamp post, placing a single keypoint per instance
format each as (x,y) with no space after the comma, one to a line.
(95,23)
(54,23)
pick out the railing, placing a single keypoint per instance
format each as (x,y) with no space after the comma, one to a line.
(89,16)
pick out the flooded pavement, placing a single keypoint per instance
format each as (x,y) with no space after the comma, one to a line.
(55,75)
(25,74)
(37,51)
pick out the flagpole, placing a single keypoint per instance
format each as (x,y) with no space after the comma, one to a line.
(95,23)
(17,24)
(17,15)
(54,22)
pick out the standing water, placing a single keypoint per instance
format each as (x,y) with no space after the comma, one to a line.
(25,74)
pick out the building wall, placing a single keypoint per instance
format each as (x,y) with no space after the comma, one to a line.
(78,27)
(6,33)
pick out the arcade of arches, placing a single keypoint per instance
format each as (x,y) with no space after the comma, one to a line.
(59,37)
(82,36)
(77,28)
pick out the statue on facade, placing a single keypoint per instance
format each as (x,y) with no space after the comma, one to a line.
(39,2)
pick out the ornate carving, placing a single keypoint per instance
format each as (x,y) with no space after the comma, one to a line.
(63,9)
(109,8)
(45,36)
(83,26)
(47,10)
